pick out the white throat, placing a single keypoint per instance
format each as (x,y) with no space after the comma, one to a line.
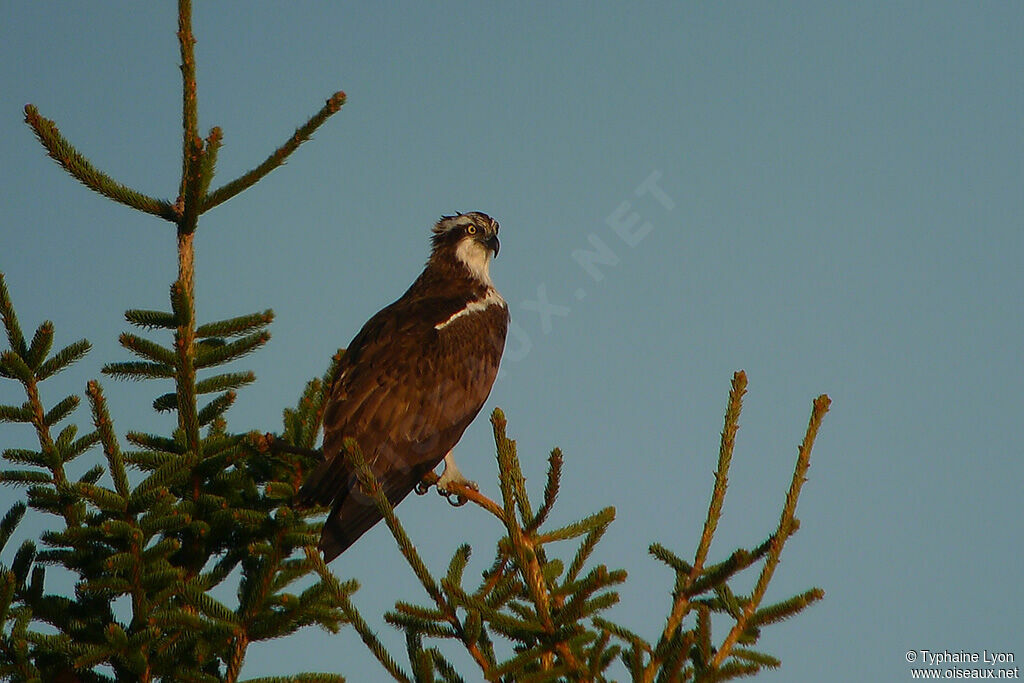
(476,258)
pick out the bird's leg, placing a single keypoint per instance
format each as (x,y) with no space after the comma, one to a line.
(452,475)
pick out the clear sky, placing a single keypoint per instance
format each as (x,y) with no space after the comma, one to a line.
(841,214)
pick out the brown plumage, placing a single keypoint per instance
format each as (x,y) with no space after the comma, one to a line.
(412,380)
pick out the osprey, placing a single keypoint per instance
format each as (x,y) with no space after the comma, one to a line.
(412,380)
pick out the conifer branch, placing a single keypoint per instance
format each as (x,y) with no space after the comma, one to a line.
(22,413)
(42,340)
(146,349)
(784,531)
(555,461)
(528,553)
(14,363)
(227,380)
(60,411)
(277,157)
(183,291)
(728,443)
(184,344)
(201,496)
(215,408)
(189,108)
(256,591)
(208,354)
(14,336)
(587,548)
(341,595)
(151,319)
(62,359)
(681,600)
(372,488)
(195,162)
(138,370)
(785,609)
(236,327)
(61,151)
(209,160)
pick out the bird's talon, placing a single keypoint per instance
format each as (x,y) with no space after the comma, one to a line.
(421,488)
(455,500)
(443,489)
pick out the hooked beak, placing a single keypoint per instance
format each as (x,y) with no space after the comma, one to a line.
(493,244)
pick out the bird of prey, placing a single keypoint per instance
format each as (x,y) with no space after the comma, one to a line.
(412,380)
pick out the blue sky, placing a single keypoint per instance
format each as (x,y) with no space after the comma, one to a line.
(841,214)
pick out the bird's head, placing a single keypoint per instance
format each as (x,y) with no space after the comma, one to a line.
(470,239)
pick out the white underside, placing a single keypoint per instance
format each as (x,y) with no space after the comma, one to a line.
(477,258)
(492,298)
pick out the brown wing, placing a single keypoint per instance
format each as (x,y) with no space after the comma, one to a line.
(405,391)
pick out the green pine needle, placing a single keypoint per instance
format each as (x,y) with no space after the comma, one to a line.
(583,526)
(754,657)
(458,564)
(24,456)
(10,522)
(151,319)
(585,550)
(715,575)
(216,407)
(92,475)
(138,370)
(303,133)
(80,446)
(22,562)
(209,160)
(22,413)
(25,477)
(787,608)
(165,403)
(13,365)
(209,606)
(155,442)
(104,499)
(208,356)
(147,349)
(14,336)
(173,473)
(61,410)
(225,381)
(555,461)
(61,151)
(181,305)
(236,327)
(41,343)
(671,559)
(62,359)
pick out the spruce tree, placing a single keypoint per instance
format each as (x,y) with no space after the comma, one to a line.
(159,521)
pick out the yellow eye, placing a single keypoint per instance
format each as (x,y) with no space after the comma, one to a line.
(471,230)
